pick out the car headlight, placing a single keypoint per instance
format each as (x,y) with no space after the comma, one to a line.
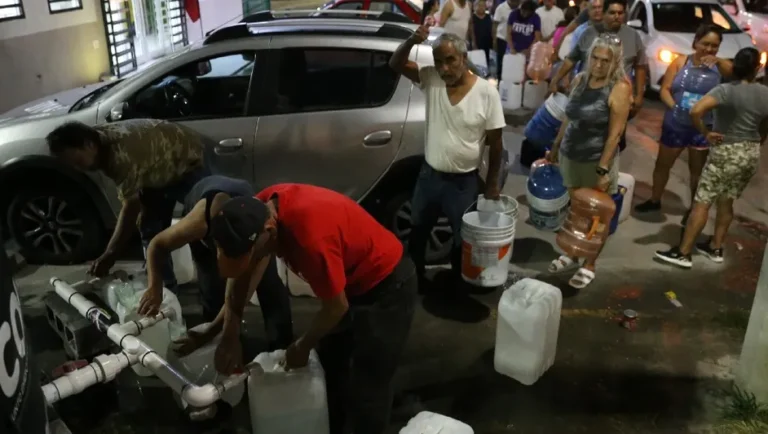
(763,58)
(667,56)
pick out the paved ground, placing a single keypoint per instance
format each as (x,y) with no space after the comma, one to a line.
(662,378)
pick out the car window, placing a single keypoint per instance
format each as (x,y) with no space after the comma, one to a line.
(756,6)
(687,17)
(639,13)
(318,79)
(206,88)
(350,6)
(385,6)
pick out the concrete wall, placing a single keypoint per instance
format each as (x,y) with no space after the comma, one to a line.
(44,53)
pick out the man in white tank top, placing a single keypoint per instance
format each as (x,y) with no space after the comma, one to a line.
(456,17)
(464,116)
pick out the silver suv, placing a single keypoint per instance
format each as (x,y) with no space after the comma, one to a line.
(284,97)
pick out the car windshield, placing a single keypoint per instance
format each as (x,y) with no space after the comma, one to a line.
(687,17)
(92,97)
(754,6)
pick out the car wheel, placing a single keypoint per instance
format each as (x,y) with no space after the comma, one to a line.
(397,218)
(54,226)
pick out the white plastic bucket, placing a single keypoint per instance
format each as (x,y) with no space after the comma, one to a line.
(511,95)
(555,105)
(505,205)
(486,239)
(627,181)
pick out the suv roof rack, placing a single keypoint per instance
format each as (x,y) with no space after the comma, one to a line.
(260,17)
(249,26)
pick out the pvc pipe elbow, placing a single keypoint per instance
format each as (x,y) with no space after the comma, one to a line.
(201,396)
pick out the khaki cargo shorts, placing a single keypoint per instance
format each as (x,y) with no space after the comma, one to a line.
(728,170)
(577,174)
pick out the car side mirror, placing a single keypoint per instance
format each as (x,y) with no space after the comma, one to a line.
(117,112)
(635,24)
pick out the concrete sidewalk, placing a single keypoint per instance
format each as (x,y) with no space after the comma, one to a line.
(661,378)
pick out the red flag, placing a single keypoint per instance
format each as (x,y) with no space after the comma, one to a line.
(193,9)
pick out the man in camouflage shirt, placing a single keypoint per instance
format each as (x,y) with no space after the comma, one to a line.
(154,165)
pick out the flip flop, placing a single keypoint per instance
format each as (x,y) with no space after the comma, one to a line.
(560,264)
(582,278)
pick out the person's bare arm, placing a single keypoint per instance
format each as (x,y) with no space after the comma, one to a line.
(725,67)
(495,28)
(763,129)
(399,60)
(537,36)
(510,45)
(665,94)
(471,31)
(620,103)
(702,107)
(238,292)
(126,222)
(493,139)
(446,12)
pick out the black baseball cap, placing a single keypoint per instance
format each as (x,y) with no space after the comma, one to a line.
(238,224)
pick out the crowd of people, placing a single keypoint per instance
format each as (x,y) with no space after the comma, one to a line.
(366,280)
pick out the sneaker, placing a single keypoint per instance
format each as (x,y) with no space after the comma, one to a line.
(714,255)
(675,256)
(648,206)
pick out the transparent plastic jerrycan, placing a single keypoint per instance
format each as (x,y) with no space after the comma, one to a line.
(124,298)
(587,225)
(198,366)
(287,402)
(526,331)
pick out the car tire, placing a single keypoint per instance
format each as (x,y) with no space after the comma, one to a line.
(55,226)
(396,217)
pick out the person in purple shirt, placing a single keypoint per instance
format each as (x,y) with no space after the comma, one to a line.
(523,28)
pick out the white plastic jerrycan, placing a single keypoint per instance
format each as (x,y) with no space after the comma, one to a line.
(527,329)
(198,366)
(124,298)
(433,423)
(287,402)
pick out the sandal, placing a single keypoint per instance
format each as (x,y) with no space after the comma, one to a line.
(560,264)
(582,278)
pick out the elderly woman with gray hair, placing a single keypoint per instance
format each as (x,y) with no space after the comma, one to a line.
(587,146)
(463,117)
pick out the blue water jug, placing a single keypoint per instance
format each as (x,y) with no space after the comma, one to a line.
(696,81)
(542,129)
(547,198)
(618,199)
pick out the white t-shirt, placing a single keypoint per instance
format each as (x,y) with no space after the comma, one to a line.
(455,138)
(501,16)
(549,20)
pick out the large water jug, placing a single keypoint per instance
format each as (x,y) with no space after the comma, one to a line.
(547,198)
(513,68)
(511,95)
(478,58)
(695,83)
(432,423)
(198,367)
(543,127)
(588,223)
(534,94)
(526,330)
(183,265)
(287,402)
(124,297)
(540,62)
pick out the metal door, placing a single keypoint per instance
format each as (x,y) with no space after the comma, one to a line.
(344,148)
(119,29)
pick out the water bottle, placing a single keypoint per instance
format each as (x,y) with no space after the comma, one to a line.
(696,81)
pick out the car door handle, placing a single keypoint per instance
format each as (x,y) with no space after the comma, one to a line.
(229,145)
(378,138)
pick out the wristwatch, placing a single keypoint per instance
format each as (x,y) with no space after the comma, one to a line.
(601,171)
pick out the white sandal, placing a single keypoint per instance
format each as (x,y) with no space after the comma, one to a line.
(560,264)
(582,278)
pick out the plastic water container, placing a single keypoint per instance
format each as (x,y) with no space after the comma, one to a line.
(513,68)
(534,94)
(432,423)
(695,83)
(526,330)
(543,127)
(565,47)
(198,366)
(511,95)
(486,247)
(183,265)
(124,297)
(618,200)
(478,58)
(588,223)
(287,402)
(540,62)
(547,198)
(628,182)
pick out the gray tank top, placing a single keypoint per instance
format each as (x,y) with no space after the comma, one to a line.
(207,188)
(588,113)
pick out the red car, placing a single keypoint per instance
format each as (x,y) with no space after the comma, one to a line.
(402,7)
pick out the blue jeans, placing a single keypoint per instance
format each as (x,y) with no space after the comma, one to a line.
(157,206)
(451,193)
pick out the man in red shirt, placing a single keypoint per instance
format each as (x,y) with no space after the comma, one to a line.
(355,267)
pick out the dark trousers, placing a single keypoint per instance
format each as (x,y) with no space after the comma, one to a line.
(435,191)
(274,298)
(501,50)
(361,355)
(157,206)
